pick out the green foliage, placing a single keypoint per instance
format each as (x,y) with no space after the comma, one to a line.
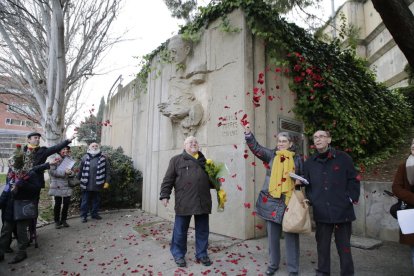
(126,182)
(88,130)
(335,90)
(3,178)
(408,93)
(226,27)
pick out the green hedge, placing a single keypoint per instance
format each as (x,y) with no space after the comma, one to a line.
(125,189)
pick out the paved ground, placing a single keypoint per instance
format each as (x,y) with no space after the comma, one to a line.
(133,242)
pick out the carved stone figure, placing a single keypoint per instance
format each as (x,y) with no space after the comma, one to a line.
(182,107)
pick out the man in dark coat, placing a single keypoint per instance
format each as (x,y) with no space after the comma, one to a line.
(186,174)
(333,189)
(94,176)
(40,154)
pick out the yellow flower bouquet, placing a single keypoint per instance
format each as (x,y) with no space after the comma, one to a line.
(215,172)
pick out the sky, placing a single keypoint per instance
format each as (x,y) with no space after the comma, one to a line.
(148,24)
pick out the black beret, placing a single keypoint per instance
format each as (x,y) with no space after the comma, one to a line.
(33,134)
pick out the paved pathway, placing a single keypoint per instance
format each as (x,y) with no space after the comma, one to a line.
(133,242)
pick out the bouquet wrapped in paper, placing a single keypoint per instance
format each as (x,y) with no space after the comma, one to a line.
(216,171)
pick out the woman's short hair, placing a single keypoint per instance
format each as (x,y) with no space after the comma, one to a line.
(289,137)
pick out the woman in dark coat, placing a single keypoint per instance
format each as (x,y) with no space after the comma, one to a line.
(269,198)
(403,188)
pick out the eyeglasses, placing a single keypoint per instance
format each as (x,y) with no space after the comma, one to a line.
(319,137)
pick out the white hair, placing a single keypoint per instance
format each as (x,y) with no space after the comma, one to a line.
(189,139)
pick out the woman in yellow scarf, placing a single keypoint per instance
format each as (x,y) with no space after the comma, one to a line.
(275,195)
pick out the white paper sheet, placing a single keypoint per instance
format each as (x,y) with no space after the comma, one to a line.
(300,178)
(67,163)
(406,220)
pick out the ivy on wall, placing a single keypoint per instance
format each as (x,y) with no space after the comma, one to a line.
(335,90)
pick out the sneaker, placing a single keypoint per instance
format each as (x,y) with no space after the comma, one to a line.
(180,262)
(58,225)
(205,261)
(65,224)
(98,217)
(270,271)
(84,219)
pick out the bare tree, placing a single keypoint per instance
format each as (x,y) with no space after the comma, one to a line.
(48,50)
(399,20)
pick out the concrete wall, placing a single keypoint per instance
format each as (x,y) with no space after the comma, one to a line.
(373,216)
(375,42)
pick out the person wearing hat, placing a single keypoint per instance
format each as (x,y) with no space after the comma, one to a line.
(37,155)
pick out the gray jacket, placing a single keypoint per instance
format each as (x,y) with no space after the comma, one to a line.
(264,209)
(59,182)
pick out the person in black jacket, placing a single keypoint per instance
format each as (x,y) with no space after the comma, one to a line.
(40,154)
(186,174)
(25,186)
(333,189)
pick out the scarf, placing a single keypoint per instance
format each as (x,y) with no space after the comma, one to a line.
(409,164)
(100,170)
(280,181)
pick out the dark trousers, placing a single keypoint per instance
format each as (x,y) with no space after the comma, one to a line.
(342,233)
(95,197)
(61,208)
(179,239)
(22,236)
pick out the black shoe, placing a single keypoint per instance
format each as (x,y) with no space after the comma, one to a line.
(64,224)
(8,250)
(1,258)
(180,262)
(18,258)
(98,217)
(58,225)
(205,261)
(84,219)
(270,271)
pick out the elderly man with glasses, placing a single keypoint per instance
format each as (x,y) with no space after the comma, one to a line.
(333,190)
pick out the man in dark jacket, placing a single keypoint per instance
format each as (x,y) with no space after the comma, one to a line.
(333,189)
(186,174)
(40,154)
(94,176)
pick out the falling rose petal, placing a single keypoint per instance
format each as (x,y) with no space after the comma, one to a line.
(264,199)
(274,214)
(221,179)
(234,175)
(266,165)
(259,226)
(270,98)
(254,213)
(359,177)
(254,164)
(239,188)
(247,205)
(235,146)
(245,156)
(226,106)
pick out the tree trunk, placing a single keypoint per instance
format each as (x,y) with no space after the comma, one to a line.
(399,20)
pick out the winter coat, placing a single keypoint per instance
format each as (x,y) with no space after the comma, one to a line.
(333,187)
(27,188)
(404,191)
(263,209)
(40,154)
(91,185)
(59,185)
(6,203)
(191,185)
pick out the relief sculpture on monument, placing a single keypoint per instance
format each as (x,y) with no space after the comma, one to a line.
(182,107)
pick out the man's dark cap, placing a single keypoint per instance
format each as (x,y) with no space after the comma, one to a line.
(33,134)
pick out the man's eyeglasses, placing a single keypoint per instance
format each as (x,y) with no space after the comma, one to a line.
(319,137)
